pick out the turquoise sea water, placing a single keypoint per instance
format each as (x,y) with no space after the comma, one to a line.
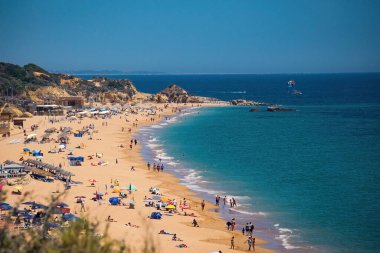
(308,179)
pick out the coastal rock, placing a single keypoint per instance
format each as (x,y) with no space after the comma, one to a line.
(254,110)
(279,109)
(244,102)
(175,94)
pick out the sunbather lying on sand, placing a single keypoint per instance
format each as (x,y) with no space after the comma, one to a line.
(130,225)
(109,219)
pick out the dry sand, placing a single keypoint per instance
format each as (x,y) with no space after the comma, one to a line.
(212,234)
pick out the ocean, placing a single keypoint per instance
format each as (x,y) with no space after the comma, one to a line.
(308,179)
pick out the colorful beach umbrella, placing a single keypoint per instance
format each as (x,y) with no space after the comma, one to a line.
(170,207)
(18,187)
(132,187)
(92,181)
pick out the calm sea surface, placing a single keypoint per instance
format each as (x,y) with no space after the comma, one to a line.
(308,179)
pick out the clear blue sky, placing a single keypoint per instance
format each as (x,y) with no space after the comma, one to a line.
(203,36)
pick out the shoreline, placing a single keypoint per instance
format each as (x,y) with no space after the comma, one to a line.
(110,137)
(153,149)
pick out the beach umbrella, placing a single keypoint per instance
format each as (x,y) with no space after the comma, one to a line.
(5,207)
(30,136)
(69,216)
(114,201)
(116,189)
(165,199)
(170,207)
(92,180)
(61,204)
(18,187)
(124,188)
(132,187)
(80,197)
(29,203)
(2,204)
(25,149)
(53,225)
(156,197)
(39,206)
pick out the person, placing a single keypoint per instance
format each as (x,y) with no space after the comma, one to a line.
(203,205)
(243,230)
(174,237)
(82,208)
(148,165)
(233,242)
(195,223)
(117,161)
(109,219)
(253,243)
(249,241)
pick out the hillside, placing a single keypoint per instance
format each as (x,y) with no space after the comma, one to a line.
(33,83)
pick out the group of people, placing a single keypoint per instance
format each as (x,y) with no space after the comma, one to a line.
(156,167)
(251,241)
(224,199)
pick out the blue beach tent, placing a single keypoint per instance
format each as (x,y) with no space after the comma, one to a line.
(156,216)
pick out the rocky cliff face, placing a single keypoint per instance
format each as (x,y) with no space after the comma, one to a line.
(35,84)
(175,94)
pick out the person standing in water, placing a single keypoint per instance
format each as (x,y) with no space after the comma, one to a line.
(203,205)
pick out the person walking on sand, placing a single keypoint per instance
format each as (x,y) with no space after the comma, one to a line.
(233,242)
(148,165)
(249,241)
(82,208)
(203,205)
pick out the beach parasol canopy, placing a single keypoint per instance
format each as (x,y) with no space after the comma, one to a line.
(53,225)
(170,207)
(165,199)
(80,197)
(5,206)
(29,203)
(132,187)
(18,187)
(25,149)
(114,201)
(30,136)
(116,189)
(92,181)
(69,216)
(61,204)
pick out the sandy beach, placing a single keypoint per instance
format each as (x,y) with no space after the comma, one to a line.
(110,143)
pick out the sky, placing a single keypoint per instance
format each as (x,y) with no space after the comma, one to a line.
(252,36)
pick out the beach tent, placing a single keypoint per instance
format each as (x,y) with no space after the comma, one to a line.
(114,201)
(156,215)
